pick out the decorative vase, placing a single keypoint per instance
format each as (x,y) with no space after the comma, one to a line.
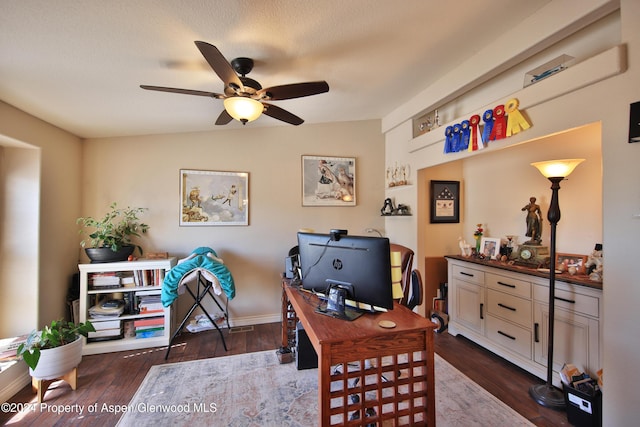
(105,254)
(56,362)
(478,239)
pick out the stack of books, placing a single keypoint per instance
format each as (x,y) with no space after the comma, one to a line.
(107,309)
(150,304)
(106,330)
(106,280)
(149,327)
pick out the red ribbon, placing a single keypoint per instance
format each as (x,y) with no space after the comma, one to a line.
(474,141)
(499,130)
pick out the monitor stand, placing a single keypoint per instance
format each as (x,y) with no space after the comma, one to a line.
(335,305)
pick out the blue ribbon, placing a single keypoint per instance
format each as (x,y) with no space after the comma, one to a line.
(466,135)
(487,117)
(456,137)
(448,144)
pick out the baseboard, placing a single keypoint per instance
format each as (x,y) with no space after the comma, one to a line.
(13,379)
(254,320)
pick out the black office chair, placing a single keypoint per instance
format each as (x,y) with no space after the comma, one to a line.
(415,299)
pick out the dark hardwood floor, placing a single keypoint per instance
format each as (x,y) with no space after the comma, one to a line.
(113,378)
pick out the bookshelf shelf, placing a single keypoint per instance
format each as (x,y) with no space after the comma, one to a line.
(116,326)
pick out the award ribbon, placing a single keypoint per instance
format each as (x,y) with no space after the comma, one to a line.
(473,122)
(466,134)
(448,141)
(515,120)
(499,125)
(487,118)
(456,138)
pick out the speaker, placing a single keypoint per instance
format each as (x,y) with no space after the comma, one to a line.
(306,356)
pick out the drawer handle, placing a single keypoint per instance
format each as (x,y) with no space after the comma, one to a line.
(536,332)
(506,306)
(570,301)
(508,285)
(466,274)
(507,335)
(482,311)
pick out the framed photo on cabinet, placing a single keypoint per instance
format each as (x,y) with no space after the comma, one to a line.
(213,198)
(444,201)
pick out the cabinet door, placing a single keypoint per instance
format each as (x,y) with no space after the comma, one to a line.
(469,305)
(575,339)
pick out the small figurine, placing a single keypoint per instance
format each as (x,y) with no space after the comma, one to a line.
(594,264)
(534,222)
(387,208)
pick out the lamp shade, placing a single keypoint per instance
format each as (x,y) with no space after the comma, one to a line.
(243,109)
(557,168)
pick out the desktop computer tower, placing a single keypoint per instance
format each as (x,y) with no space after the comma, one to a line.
(306,356)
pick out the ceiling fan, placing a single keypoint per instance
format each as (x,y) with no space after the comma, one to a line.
(244,98)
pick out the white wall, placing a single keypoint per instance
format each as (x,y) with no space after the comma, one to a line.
(144,171)
(48,246)
(605,101)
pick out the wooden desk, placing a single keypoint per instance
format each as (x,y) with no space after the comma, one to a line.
(375,373)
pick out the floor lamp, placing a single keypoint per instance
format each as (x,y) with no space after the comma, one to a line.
(555,170)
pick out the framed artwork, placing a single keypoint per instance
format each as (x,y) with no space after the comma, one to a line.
(571,260)
(445,201)
(213,198)
(490,247)
(328,181)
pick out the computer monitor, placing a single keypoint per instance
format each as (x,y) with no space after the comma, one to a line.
(343,267)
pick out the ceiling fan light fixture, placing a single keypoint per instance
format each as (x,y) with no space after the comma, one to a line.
(243,109)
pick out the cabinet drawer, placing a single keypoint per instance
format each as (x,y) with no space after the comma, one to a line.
(510,336)
(569,300)
(468,274)
(509,307)
(509,285)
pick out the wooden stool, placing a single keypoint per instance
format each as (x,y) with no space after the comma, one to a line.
(40,386)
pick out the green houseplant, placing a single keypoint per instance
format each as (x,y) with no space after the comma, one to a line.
(113,232)
(58,334)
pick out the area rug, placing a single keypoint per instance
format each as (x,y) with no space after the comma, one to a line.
(255,390)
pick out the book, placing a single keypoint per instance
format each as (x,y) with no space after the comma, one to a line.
(108,324)
(151,321)
(115,332)
(150,334)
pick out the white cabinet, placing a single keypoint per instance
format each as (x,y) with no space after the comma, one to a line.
(505,309)
(139,285)
(576,327)
(467,301)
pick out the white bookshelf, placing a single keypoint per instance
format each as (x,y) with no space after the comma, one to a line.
(89,295)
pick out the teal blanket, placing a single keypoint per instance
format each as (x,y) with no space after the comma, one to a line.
(204,261)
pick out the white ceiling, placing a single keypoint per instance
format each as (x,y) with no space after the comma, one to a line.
(78,64)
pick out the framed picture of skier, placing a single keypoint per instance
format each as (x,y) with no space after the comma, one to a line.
(213,198)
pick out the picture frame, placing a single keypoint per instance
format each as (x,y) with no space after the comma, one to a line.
(444,198)
(572,260)
(328,181)
(213,198)
(490,247)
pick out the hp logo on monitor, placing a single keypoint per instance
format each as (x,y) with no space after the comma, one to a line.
(337,264)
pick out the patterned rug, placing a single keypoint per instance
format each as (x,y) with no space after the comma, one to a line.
(254,390)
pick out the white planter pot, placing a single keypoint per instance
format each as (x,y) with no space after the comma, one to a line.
(55,362)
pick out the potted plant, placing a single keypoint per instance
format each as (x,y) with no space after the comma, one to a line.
(111,237)
(56,350)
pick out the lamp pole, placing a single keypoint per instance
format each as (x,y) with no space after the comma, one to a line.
(555,171)
(546,394)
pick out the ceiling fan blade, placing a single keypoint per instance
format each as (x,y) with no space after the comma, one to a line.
(224,118)
(295,90)
(184,91)
(281,114)
(219,64)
